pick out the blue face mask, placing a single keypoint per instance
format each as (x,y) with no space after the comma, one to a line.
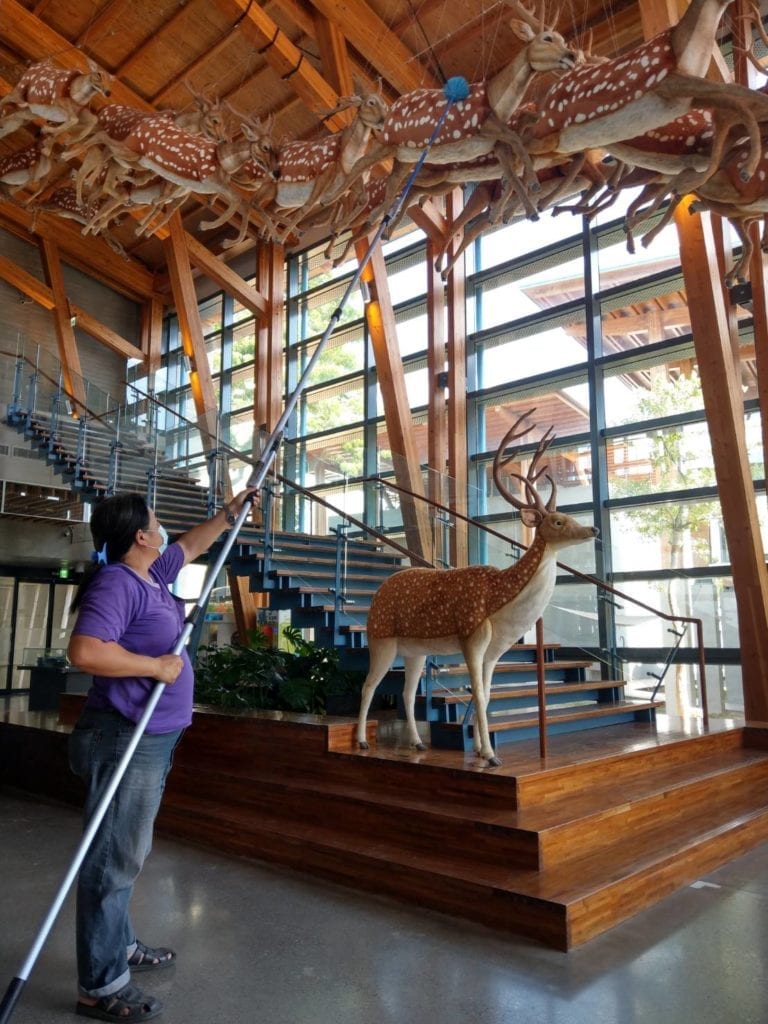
(163,533)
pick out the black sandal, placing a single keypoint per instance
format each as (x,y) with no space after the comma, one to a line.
(114,1007)
(144,958)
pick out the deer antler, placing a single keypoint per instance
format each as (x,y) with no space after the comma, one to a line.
(534,21)
(754,20)
(535,471)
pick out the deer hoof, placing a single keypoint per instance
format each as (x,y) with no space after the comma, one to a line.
(421,746)
(362,745)
(494,762)
(744,174)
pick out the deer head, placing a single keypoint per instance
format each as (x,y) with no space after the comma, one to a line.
(555,528)
(546,50)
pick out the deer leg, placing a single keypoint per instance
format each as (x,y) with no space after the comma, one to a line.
(739,271)
(655,231)
(414,666)
(382,654)
(473,649)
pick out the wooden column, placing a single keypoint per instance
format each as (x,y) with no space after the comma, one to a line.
(721,387)
(268,367)
(69,357)
(152,333)
(380,318)
(457,394)
(437,405)
(191,330)
(746,74)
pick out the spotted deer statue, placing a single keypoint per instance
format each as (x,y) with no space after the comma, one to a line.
(59,96)
(479,125)
(596,106)
(478,612)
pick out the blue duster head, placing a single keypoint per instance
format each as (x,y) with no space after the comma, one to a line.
(456,89)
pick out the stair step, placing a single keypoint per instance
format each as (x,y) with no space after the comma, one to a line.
(441,697)
(510,720)
(560,905)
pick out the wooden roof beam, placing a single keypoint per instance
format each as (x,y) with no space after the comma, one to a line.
(375,41)
(126,276)
(284,57)
(43,295)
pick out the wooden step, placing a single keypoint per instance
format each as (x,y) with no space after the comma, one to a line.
(522,691)
(511,667)
(511,720)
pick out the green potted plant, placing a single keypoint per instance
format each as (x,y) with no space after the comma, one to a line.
(257,676)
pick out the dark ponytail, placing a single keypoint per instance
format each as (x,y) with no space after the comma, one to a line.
(115,522)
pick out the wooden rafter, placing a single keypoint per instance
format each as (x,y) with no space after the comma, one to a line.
(43,295)
(126,276)
(371,37)
(63,318)
(191,329)
(284,57)
(333,54)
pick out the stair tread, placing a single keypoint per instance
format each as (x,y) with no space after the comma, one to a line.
(556,714)
(503,692)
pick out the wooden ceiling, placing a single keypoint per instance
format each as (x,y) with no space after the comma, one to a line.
(288,58)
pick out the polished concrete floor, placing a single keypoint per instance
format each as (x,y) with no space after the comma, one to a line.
(260,944)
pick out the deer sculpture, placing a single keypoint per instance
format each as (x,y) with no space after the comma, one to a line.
(593,107)
(151,146)
(479,611)
(478,125)
(59,96)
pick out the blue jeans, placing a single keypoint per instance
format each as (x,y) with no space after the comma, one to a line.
(105,935)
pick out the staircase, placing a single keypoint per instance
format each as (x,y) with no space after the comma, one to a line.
(326,583)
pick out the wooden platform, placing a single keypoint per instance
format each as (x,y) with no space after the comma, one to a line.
(559,850)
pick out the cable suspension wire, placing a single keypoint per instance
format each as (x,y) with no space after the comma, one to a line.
(455,90)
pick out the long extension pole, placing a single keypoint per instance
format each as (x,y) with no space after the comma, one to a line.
(455,90)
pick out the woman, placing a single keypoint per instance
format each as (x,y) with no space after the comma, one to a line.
(127,623)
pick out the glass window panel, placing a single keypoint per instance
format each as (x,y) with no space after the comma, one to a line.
(244,342)
(213,350)
(412,331)
(662,385)
(343,353)
(617,265)
(547,284)
(710,599)
(407,278)
(335,406)
(679,687)
(211,314)
(531,350)
(658,460)
(243,387)
(523,236)
(63,595)
(332,457)
(570,618)
(31,625)
(668,535)
(317,308)
(647,313)
(567,410)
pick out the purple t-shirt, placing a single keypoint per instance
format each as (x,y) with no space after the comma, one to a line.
(144,618)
